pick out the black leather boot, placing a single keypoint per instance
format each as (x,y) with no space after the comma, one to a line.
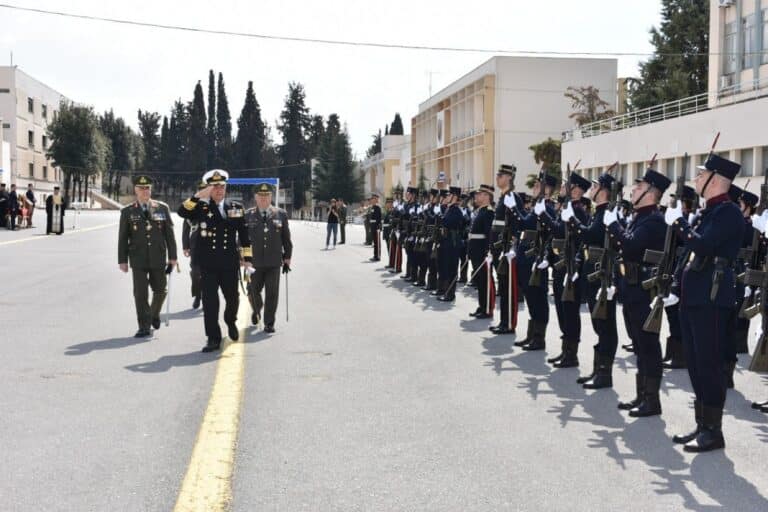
(439,288)
(639,381)
(687,438)
(528,336)
(728,369)
(431,282)
(710,436)
(676,354)
(589,377)
(538,337)
(741,339)
(560,355)
(570,355)
(421,279)
(667,350)
(650,405)
(603,373)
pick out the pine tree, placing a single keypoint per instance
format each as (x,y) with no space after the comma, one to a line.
(375,148)
(249,145)
(210,131)
(149,124)
(386,129)
(197,161)
(685,32)
(294,122)
(335,174)
(223,128)
(316,131)
(396,128)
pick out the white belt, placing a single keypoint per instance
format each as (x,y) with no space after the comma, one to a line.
(385,225)
(499,223)
(476,236)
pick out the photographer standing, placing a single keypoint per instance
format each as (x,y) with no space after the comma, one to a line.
(333,224)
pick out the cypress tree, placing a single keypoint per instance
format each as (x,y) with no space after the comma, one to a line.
(249,144)
(396,128)
(223,128)
(210,131)
(197,161)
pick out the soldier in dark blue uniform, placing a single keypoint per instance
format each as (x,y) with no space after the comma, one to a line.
(646,231)
(463,261)
(441,245)
(408,219)
(434,213)
(708,296)
(223,237)
(478,246)
(453,229)
(506,232)
(376,227)
(569,310)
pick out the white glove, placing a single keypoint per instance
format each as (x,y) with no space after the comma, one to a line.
(691,216)
(673,214)
(509,201)
(567,213)
(620,213)
(574,277)
(610,217)
(609,293)
(436,209)
(759,222)
(747,291)
(759,332)
(489,259)
(400,207)
(671,300)
(539,208)
(511,254)
(544,264)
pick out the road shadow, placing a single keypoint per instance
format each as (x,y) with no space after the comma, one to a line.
(474,325)
(184,314)
(498,345)
(82,349)
(255,334)
(165,363)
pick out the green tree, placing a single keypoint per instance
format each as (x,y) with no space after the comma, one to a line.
(149,125)
(197,159)
(396,128)
(249,144)
(210,131)
(375,148)
(335,173)
(315,136)
(547,155)
(587,105)
(122,154)
(422,183)
(680,64)
(294,150)
(223,128)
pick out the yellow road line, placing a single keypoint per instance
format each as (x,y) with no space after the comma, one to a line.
(74,232)
(207,486)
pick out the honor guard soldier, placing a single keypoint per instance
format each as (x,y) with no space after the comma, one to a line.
(222,234)
(146,241)
(453,229)
(272,248)
(646,231)
(189,237)
(708,295)
(478,249)
(407,221)
(376,227)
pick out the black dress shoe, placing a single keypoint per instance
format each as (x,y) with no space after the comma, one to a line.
(196,303)
(476,312)
(446,298)
(212,346)
(143,333)
(156,323)
(537,344)
(255,317)
(481,316)
(234,334)
(269,328)
(629,347)
(503,330)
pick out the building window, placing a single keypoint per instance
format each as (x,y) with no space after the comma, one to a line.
(5,91)
(765,161)
(44,111)
(747,162)
(30,105)
(6,126)
(729,48)
(748,39)
(764,59)
(669,165)
(31,170)
(45,142)
(31,139)
(45,172)
(688,165)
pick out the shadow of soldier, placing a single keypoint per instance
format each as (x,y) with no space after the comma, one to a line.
(165,363)
(82,349)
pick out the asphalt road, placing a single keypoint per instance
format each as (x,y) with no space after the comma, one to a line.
(373,397)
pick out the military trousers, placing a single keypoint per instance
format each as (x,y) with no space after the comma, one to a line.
(508,290)
(375,235)
(143,279)
(705,330)
(267,279)
(647,344)
(536,299)
(606,330)
(194,274)
(568,312)
(211,281)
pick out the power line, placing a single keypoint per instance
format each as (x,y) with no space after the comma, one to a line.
(340,42)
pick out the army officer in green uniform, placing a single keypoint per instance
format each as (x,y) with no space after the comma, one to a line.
(271,249)
(147,242)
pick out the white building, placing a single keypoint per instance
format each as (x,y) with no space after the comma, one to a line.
(494,113)
(736,105)
(389,168)
(5,155)
(26,108)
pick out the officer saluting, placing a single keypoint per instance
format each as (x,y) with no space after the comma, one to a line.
(145,237)
(222,232)
(708,295)
(272,247)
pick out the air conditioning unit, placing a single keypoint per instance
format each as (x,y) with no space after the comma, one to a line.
(726,3)
(726,81)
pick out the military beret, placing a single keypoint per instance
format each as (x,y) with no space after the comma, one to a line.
(142,180)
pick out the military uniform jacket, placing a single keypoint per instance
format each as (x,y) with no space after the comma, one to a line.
(221,237)
(480,232)
(717,232)
(453,224)
(376,217)
(271,242)
(646,231)
(146,240)
(593,233)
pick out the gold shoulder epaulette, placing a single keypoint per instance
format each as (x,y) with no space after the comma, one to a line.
(247,252)
(189,204)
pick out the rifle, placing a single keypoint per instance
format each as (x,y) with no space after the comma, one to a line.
(539,249)
(664,260)
(751,255)
(604,257)
(569,254)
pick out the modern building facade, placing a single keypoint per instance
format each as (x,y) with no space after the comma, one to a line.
(26,107)
(735,105)
(389,168)
(494,113)
(5,155)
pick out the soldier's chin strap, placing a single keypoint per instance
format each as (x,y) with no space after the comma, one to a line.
(643,194)
(712,175)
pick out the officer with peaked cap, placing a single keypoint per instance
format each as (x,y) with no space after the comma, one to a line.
(478,249)
(646,231)
(223,242)
(453,231)
(375,221)
(146,240)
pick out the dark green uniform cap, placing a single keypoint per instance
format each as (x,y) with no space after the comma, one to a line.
(264,189)
(142,180)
